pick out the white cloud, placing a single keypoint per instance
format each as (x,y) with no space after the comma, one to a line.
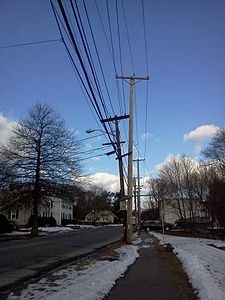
(96,158)
(6,126)
(108,181)
(200,134)
(146,136)
(166,160)
(170,157)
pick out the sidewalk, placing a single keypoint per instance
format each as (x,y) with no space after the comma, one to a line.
(147,279)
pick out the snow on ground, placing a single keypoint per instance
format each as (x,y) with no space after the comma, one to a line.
(204,264)
(49,230)
(92,282)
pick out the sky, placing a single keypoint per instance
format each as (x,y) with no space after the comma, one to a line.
(177,111)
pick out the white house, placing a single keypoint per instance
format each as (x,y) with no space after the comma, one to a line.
(54,207)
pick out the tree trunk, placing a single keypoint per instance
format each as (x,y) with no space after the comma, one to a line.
(36,199)
(34,231)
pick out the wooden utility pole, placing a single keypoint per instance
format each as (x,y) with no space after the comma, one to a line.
(135,201)
(132,80)
(122,197)
(138,191)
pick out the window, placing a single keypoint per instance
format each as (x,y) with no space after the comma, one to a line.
(13,214)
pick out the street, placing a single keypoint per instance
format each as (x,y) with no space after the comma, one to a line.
(21,259)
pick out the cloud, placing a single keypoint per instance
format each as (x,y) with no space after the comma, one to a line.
(200,134)
(108,181)
(171,157)
(166,160)
(6,126)
(146,136)
(96,158)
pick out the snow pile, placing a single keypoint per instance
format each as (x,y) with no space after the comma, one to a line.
(90,283)
(55,229)
(202,261)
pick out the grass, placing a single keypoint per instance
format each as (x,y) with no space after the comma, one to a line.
(176,269)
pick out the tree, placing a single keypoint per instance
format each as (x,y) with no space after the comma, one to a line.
(215,152)
(179,183)
(215,155)
(98,200)
(41,154)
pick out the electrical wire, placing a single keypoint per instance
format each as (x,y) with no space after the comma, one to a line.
(76,71)
(98,57)
(128,37)
(147,70)
(30,43)
(93,98)
(86,158)
(95,149)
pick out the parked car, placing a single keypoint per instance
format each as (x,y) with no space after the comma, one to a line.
(5,226)
(15,226)
(154,225)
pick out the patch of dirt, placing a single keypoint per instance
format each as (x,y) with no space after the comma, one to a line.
(176,269)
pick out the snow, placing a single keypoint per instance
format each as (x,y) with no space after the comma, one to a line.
(202,259)
(49,230)
(92,282)
(203,262)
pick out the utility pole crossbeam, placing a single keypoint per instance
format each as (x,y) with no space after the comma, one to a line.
(115,118)
(132,80)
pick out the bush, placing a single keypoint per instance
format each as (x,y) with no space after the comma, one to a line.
(43,221)
(5,226)
(51,222)
(68,221)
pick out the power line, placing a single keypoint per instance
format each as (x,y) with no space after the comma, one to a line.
(145,37)
(147,70)
(98,57)
(76,71)
(92,150)
(92,157)
(91,137)
(92,96)
(128,37)
(111,39)
(30,43)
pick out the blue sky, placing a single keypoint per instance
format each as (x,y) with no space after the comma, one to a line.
(186,55)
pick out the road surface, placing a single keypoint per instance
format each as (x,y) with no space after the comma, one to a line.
(23,259)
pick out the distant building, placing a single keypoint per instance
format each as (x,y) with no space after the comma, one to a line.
(54,207)
(101,217)
(175,209)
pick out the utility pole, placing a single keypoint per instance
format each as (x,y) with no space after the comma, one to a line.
(132,80)
(122,190)
(135,201)
(139,191)
(122,197)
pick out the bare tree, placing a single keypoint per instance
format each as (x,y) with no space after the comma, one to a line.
(41,154)
(215,152)
(215,156)
(98,200)
(179,179)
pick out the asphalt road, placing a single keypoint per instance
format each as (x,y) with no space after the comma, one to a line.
(23,259)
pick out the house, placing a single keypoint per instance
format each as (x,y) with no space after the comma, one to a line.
(175,209)
(54,207)
(101,217)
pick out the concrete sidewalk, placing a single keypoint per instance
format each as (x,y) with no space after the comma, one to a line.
(147,279)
